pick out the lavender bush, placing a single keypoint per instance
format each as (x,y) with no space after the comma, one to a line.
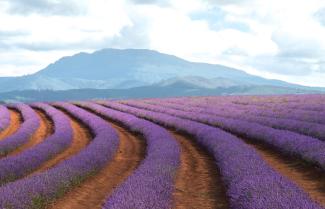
(152,183)
(250,182)
(4,117)
(302,127)
(14,167)
(36,191)
(30,124)
(275,112)
(307,148)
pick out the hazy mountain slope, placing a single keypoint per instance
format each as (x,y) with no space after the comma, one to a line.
(118,69)
(173,89)
(202,82)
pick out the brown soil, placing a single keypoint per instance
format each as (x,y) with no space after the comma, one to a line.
(15,121)
(198,184)
(44,130)
(307,177)
(81,138)
(94,191)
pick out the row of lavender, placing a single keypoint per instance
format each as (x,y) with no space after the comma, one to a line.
(254,177)
(308,102)
(17,166)
(307,148)
(160,164)
(252,184)
(302,127)
(39,189)
(312,99)
(29,125)
(4,117)
(151,184)
(276,112)
(303,102)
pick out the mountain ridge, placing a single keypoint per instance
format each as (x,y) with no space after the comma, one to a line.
(126,68)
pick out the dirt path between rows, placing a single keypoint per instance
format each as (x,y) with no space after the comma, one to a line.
(81,138)
(94,191)
(198,184)
(44,130)
(307,177)
(15,121)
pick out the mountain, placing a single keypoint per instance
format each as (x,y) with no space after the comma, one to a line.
(131,68)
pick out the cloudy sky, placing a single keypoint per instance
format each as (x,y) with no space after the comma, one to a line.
(283,39)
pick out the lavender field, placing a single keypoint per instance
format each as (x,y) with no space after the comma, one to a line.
(236,152)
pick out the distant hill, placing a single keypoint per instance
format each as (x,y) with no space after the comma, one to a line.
(161,90)
(136,73)
(129,68)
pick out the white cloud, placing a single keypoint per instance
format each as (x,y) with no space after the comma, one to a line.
(292,27)
(45,7)
(23,62)
(276,39)
(44,39)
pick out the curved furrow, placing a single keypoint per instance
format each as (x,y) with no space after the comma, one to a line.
(39,190)
(94,191)
(307,148)
(81,138)
(44,130)
(249,180)
(28,160)
(198,183)
(30,123)
(152,183)
(307,177)
(314,130)
(15,122)
(4,118)
(313,186)
(275,112)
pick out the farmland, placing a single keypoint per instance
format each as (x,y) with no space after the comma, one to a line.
(238,152)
